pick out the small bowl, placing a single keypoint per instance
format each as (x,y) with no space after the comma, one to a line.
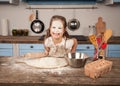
(77,59)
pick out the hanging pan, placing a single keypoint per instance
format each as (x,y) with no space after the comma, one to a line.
(37,26)
(73,24)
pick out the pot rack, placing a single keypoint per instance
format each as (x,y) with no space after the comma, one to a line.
(61,7)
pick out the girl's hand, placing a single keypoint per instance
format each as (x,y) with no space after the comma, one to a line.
(35,55)
(75,45)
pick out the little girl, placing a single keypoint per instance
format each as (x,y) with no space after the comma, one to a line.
(57,42)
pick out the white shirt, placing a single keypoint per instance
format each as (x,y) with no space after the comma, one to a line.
(60,49)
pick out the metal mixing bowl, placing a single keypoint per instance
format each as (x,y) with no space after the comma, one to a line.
(77,59)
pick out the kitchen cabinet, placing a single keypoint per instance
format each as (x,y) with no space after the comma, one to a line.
(26,48)
(113,50)
(13,2)
(86,48)
(6,49)
(111,2)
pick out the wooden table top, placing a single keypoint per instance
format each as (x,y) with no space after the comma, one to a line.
(37,39)
(19,74)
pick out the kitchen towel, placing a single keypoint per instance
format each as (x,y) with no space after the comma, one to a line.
(4,27)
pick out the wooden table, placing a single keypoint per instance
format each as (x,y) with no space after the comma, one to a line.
(19,74)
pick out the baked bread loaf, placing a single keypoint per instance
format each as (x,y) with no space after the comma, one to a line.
(97,68)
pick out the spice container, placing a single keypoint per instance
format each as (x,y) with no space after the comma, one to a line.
(25,32)
(14,32)
(20,32)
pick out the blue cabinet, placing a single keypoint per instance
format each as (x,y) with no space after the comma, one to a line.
(6,49)
(27,48)
(86,48)
(113,50)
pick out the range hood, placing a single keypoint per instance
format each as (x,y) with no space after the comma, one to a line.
(111,2)
(14,2)
(60,2)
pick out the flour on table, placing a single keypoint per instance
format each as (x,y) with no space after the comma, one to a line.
(47,62)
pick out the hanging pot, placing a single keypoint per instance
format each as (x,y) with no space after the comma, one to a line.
(73,24)
(37,26)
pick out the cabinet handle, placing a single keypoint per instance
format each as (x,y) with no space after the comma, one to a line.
(88,47)
(31,46)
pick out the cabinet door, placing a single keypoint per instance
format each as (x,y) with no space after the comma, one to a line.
(86,48)
(114,50)
(26,48)
(6,49)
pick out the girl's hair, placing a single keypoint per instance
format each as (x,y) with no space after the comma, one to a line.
(63,19)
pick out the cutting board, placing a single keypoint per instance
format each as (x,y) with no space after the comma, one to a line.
(100,26)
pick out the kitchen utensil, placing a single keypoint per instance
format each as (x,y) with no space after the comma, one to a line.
(37,26)
(92,36)
(77,59)
(31,17)
(107,34)
(93,40)
(74,23)
(100,26)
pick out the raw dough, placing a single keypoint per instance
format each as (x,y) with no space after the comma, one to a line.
(47,62)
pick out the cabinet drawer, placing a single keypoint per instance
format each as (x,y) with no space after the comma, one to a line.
(113,53)
(89,53)
(85,46)
(113,50)
(31,46)
(114,47)
(27,48)
(6,49)
(6,46)
(29,51)
(6,52)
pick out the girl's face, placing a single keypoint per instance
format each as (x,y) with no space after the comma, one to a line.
(57,29)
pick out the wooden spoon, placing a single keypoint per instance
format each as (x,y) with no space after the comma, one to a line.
(31,17)
(107,35)
(93,40)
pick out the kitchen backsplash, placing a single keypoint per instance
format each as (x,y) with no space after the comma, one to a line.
(18,17)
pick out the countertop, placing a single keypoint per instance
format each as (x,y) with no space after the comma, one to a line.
(19,74)
(38,39)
